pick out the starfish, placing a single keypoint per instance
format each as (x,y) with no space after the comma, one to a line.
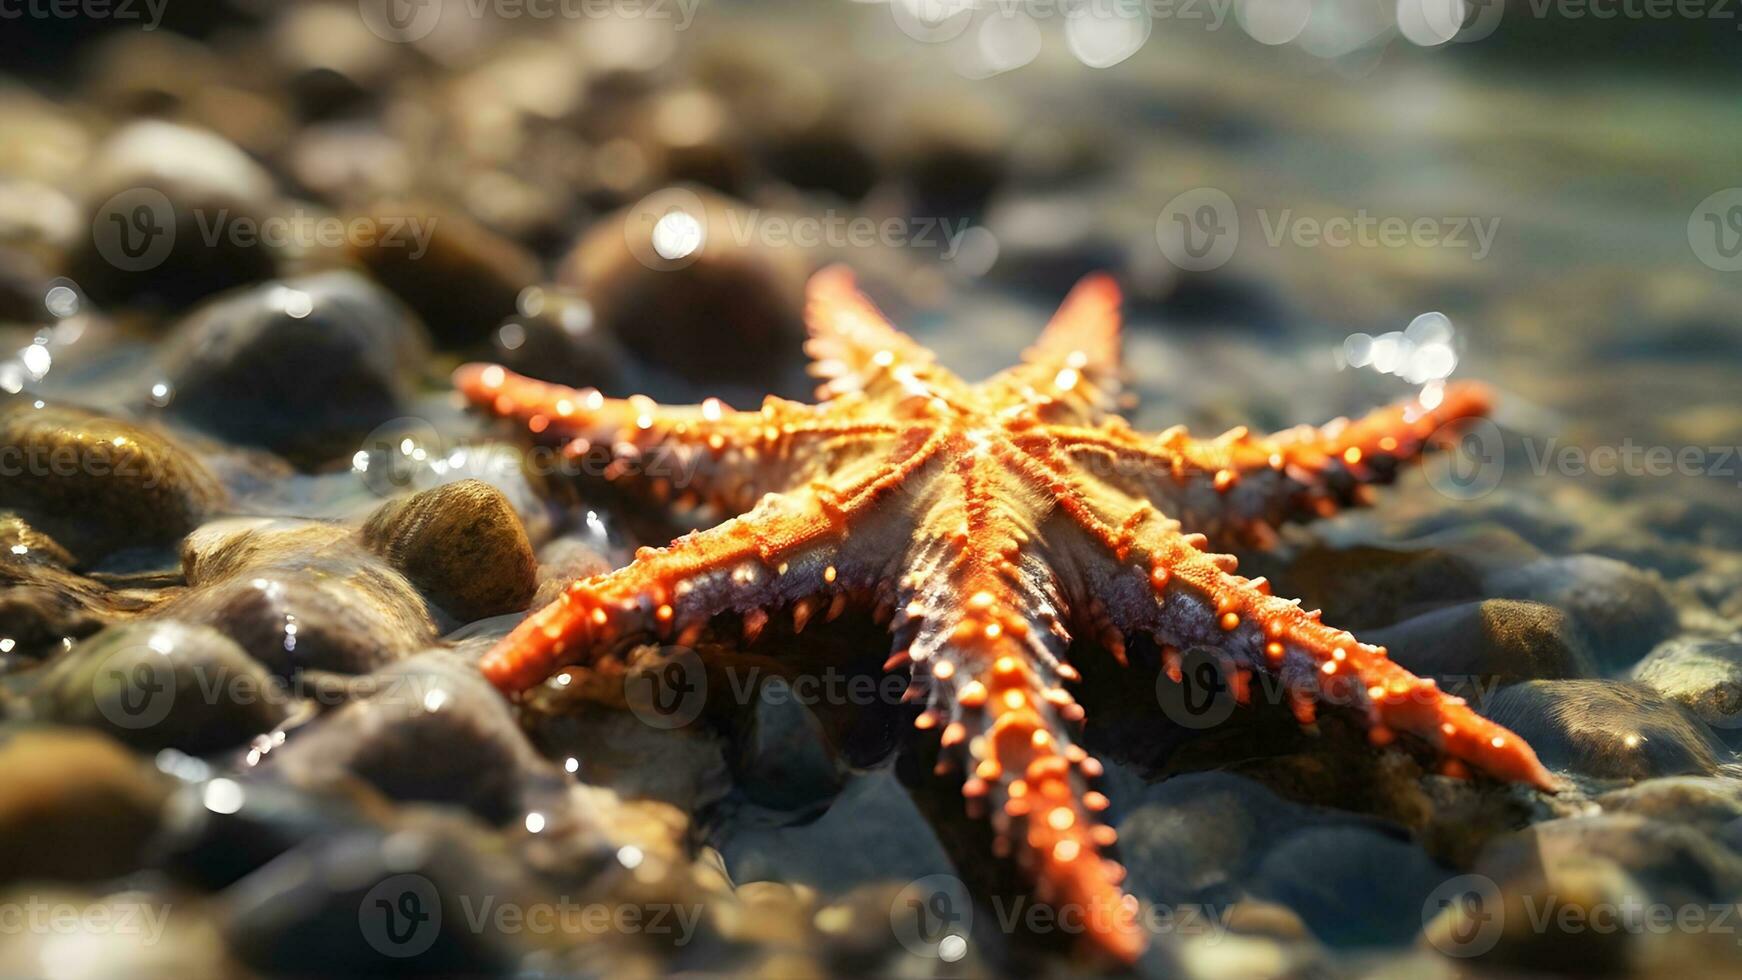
(985,523)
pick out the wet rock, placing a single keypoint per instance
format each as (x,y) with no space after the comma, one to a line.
(1351,885)
(332,614)
(1366,586)
(554,336)
(165,200)
(1473,649)
(667,279)
(462,545)
(25,543)
(1701,802)
(460,277)
(74,806)
(334,62)
(218,830)
(784,761)
(1193,838)
(833,853)
(368,903)
(97,484)
(428,729)
(1608,729)
(301,596)
(1538,921)
(1623,611)
(1703,676)
(950,156)
(163,685)
(304,367)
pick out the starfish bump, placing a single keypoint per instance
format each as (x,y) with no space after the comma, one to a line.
(992,519)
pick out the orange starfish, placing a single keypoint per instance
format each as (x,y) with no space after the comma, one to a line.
(984,522)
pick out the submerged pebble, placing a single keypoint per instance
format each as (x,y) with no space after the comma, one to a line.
(1702,675)
(162,684)
(1608,729)
(98,484)
(304,367)
(462,545)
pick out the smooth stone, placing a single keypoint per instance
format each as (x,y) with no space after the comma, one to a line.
(371,903)
(427,729)
(461,278)
(158,190)
(1351,886)
(1474,649)
(301,597)
(833,853)
(74,806)
(97,484)
(218,830)
(783,760)
(1367,586)
(21,542)
(305,367)
(462,545)
(717,315)
(1704,802)
(1623,611)
(555,336)
(163,684)
(1702,675)
(1608,729)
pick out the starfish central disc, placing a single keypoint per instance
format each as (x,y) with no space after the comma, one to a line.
(986,523)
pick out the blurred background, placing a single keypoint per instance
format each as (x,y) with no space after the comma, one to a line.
(255,237)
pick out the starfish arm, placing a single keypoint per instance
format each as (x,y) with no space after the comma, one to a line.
(804,550)
(853,348)
(1238,487)
(724,456)
(1073,369)
(981,628)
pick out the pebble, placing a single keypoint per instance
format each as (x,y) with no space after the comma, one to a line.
(1608,729)
(159,190)
(162,684)
(74,806)
(1623,611)
(1702,675)
(304,367)
(461,278)
(714,313)
(1476,648)
(462,545)
(98,484)
(554,336)
(1352,886)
